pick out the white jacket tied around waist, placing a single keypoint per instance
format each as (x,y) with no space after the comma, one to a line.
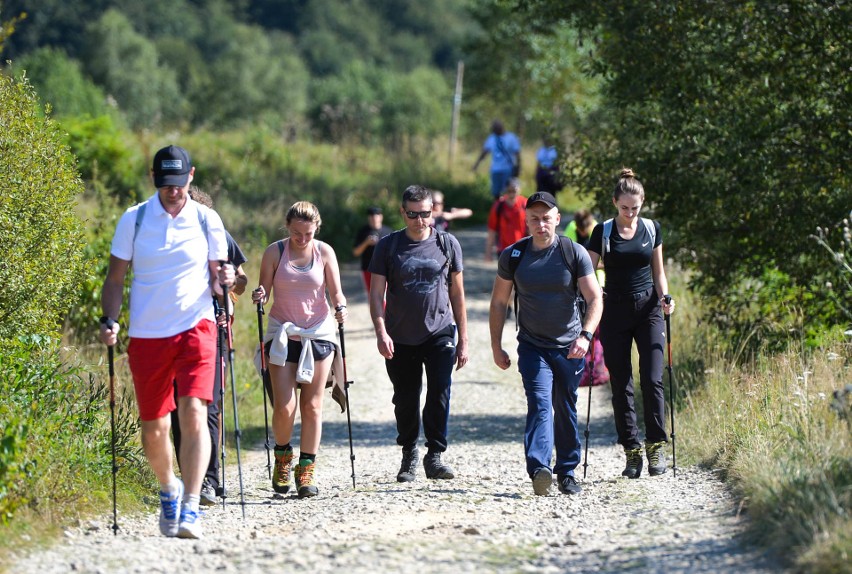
(280,333)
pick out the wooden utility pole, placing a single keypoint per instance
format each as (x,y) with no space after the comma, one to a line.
(457,98)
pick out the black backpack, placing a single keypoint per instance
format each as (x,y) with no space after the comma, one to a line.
(443,245)
(569,258)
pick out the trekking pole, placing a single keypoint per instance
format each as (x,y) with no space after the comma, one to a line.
(220,354)
(237,431)
(668,299)
(111,360)
(267,393)
(346,384)
(589,406)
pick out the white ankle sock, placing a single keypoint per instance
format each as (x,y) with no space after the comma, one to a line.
(171,487)
(191,501)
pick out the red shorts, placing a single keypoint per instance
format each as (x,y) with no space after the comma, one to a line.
(189,358)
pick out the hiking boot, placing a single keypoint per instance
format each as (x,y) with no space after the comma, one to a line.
(408,468)
(435,468)
(634,463)
(281,473)
(305,479)
(568,485)
(208,493)
(190,525)
(656,453)
(170,511)
(542,481)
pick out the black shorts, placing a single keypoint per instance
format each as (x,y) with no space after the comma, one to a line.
(321,349)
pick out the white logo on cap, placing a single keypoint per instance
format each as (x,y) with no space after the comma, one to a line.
(171,164)
(516,252)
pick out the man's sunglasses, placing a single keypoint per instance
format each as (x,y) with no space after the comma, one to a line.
(420,214)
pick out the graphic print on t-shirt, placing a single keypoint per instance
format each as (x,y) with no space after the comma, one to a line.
(420,275)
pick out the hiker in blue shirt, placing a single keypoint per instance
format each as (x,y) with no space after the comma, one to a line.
(505,150)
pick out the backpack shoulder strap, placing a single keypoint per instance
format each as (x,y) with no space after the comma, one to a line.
(447,249)
(140,215)
(569,257)
(607,230)
(393,242)
(280,244)
(515,256)
(517,253)
(652,230)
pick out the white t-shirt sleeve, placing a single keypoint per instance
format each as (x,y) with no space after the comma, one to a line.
(122,240)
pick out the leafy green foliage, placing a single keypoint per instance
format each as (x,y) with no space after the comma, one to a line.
(56,447)
(40,235)
(732,115)
(128,67)
(227,64)
(367,105)
(107,156)
(60,82)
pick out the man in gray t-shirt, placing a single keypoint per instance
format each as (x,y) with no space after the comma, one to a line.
(416,321)
(552,340)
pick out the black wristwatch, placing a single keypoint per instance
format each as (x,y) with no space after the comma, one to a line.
(587,334)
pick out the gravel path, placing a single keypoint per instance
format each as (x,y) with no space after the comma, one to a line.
(487,519)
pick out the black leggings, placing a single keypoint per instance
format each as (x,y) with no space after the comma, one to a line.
(625,319)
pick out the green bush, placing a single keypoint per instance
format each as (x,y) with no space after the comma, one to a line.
(56,441)
(106,154)
(40,235)
(61,83)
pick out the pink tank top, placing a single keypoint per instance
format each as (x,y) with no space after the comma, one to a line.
(299,293)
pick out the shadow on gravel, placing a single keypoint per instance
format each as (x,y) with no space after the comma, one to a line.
(464,428)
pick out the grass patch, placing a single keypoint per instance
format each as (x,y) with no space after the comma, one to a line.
(784,447)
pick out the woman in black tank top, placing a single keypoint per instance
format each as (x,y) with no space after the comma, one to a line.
(636,292)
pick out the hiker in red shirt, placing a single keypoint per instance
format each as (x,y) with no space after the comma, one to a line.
(506,222)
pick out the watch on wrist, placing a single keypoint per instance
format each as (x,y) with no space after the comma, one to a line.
(587,335)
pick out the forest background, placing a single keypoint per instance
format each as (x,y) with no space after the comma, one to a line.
(734,114)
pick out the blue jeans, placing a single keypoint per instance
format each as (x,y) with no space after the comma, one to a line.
(499,181)
(405,370)
(550,380)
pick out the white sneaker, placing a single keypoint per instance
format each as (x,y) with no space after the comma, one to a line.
(170,511)
(190,523)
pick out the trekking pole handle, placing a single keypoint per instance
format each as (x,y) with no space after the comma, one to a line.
(667,298)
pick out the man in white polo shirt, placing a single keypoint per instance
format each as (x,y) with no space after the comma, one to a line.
(175,246)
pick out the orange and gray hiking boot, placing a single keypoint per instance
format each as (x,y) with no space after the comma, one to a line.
(656,453)
(633,469)
(281,474)
(305,482)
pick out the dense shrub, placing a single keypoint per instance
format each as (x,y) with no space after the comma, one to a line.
(40,234)
(61,83)
(55,436)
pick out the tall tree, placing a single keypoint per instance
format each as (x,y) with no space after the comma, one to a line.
(734,115)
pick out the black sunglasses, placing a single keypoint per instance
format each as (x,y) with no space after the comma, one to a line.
(420,214)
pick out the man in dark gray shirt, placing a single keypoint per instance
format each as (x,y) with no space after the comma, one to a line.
(552,340)
(421,268)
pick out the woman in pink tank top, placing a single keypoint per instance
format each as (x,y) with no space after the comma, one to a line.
(297,271)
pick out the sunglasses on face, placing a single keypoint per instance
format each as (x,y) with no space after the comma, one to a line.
(420,214)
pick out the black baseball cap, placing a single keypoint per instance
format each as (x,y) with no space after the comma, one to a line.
(374,210)
(542,197)
(171,167)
